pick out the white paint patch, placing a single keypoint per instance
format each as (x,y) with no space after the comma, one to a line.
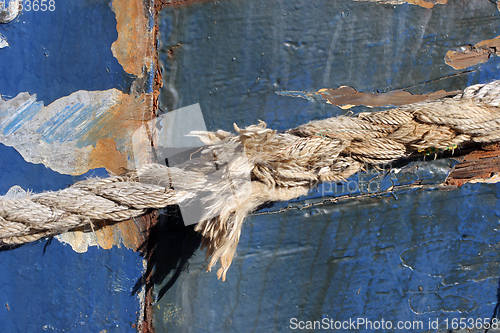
(50,134)
(3,41)
(78,240)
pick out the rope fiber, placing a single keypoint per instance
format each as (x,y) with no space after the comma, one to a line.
(235,174)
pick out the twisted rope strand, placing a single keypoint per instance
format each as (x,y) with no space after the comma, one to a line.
(235,174)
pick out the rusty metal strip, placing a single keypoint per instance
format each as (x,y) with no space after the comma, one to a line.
(150,220)
(146,320)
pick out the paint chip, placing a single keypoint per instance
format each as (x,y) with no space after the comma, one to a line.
(479,166)
(16,192)
(76,133)
(347,97)
(3,41)
(133,48)
(106,153)
(421,3)
(469,55)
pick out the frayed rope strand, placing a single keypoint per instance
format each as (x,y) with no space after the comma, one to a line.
(235,174)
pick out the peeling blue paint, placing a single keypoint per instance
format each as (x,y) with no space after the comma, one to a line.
(333,53)
(72,121)
(384,255)
(65,291)
(344,261)
(14,170)
(62,290)
(52,55)
(62,51)
(3,42)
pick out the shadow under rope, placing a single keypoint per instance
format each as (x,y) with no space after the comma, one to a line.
(170,244)
(168,249)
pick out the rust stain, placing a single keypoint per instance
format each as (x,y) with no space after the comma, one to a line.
(158,79)
(139,236)
(111,134)
(481,165)
(134,45)
(106,155)
(107,236)
(120,122)
(421,3)
(469,55)
(146,324)
(347,97)
(130,233)
(133,233)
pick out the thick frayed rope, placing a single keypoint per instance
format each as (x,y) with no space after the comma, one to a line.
(235,174)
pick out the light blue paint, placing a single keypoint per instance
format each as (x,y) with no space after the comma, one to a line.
(73,121)
(50,126)
(14,119)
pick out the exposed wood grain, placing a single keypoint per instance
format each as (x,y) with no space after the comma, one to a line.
(347,97)
(469,55)
(476,166)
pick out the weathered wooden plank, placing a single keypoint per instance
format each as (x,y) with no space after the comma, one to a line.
(412,252)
